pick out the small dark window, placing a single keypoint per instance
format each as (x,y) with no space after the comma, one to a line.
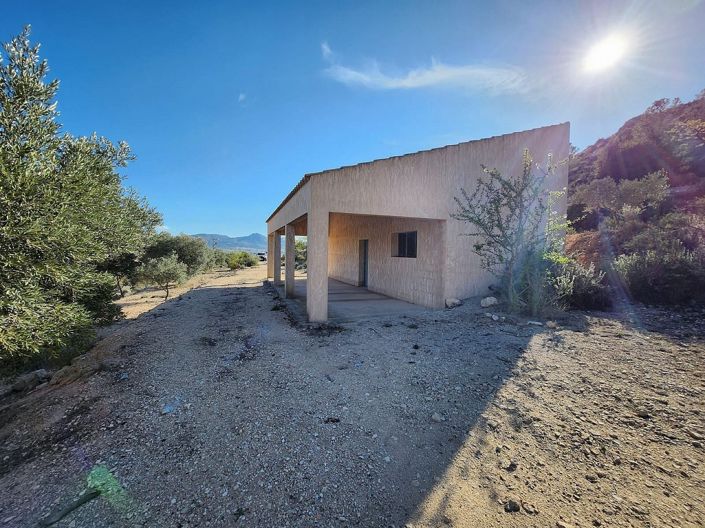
(405,244)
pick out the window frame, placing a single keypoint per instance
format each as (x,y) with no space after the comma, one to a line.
(405,244)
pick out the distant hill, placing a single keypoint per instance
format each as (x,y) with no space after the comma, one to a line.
(253,242)
(668,136)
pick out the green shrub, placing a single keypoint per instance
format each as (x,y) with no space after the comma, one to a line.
(192,251)
(242,259)
(674,276)
(218,259)
(165,272)
(301,258)
(581,287)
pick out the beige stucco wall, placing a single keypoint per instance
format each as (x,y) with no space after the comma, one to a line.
(418,280)
(297,206)
(422,186)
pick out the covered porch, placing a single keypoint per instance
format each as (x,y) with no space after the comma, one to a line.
(353,267)
(347,303)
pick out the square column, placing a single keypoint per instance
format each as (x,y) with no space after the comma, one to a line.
(277,258)
(317,272)
(270,256)
(290,265)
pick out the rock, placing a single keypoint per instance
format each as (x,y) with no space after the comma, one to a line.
(452,302)
(591,478)
(80,366)
(66,374)
(436,417)
(489,301)
(512,506)
(30,380)
(110,364)
(694,434)
(534,323)
(561,524)
(495,317)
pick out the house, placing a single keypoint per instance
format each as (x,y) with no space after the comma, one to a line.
(385,225)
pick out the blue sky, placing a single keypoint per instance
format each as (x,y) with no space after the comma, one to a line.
(227,104)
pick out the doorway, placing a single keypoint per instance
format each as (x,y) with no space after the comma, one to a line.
(364,263)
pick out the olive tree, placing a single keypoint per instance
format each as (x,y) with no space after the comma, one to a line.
(63,212)
(165,272)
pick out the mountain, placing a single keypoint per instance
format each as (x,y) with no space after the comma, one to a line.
(254,242)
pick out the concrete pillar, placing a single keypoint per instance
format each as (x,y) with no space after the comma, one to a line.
(270,256)
(317,266)
(290,265)
(277,260)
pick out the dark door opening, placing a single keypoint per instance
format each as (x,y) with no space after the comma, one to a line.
(364,265)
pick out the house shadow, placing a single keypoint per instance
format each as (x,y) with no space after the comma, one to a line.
(430,380)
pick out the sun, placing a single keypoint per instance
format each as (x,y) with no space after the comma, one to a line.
(606,54)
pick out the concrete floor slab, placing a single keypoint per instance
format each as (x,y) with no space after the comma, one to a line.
(347,303)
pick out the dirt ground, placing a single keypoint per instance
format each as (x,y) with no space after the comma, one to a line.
(213,409)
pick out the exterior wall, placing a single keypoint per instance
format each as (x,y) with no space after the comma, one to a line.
(418,280)
(423,185)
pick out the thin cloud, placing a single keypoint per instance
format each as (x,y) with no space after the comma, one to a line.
(326,51)
(492,79)
(241,98)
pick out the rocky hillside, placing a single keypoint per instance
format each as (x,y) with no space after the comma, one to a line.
(669,135)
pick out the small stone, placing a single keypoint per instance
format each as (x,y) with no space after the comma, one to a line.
(534,323)
(30,380)
(561,524)
(694,434)
(436,417)
(495,317)
(512,506)
(488,301)
(453,303)
(591,478)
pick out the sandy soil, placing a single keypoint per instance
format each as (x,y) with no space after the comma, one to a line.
(213,409)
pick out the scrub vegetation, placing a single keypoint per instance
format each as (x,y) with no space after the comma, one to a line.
(637,204)
(520,240)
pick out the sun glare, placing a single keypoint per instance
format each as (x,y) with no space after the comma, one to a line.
(605,54)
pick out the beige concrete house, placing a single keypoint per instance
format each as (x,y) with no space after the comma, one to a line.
(385,225)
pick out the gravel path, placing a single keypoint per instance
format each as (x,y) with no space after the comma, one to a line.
(213,410)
